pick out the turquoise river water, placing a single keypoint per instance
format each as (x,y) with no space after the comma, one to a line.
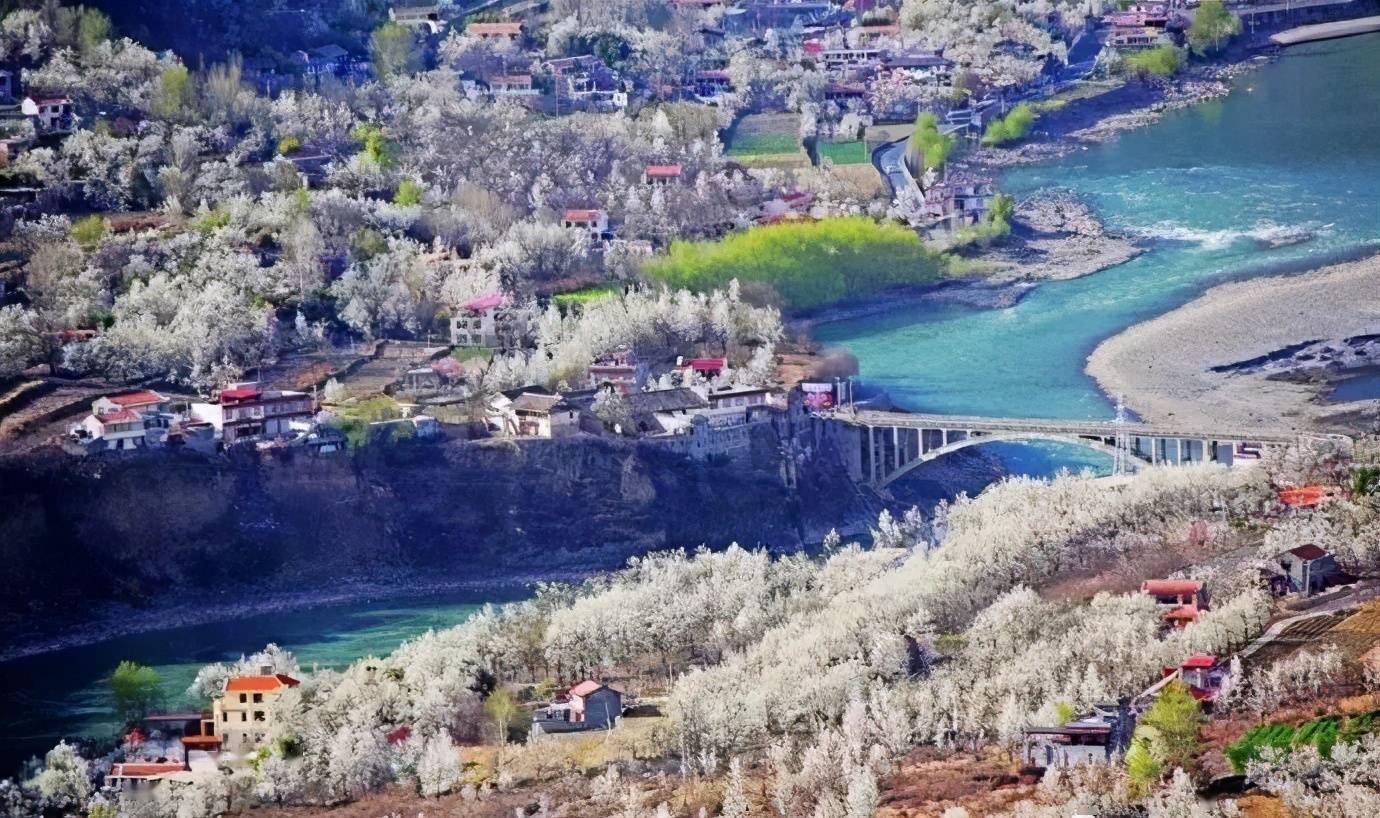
(1282,175)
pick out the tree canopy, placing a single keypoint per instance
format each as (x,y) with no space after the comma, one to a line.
(1213,25)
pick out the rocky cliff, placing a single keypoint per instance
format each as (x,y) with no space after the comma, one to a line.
(78,533)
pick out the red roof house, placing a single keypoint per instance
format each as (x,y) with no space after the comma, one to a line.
(259,684)
(661,174)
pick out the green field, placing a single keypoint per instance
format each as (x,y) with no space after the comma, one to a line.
(806,263)
(766,139)
(1321,733)
(586,295)
(762,144)
(844,153)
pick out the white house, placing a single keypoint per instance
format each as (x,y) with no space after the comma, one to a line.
(50,114)
(595,222)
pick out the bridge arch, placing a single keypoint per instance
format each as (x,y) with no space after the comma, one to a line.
(1095,444)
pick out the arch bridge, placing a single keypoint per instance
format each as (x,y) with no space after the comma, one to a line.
(892,444)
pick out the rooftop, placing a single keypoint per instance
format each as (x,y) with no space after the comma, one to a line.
(1170,587)
(666,400)
(485,303)
(1308,552)
(145,770)
(142,397)
(259,684)
(577,215)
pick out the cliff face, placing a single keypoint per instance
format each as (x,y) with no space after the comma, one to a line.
(79,533)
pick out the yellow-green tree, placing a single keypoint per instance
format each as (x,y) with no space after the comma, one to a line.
(393,49)
(1166,736)
(927,148)
(1212,26)
(175,98)
(135,688)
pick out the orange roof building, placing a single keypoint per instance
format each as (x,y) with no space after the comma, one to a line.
(244,714)
(259,684)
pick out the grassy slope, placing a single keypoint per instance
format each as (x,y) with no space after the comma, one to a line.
(807,263)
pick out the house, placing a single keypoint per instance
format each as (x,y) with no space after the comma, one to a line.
(1100,737)
(661,175)
(666,411)
(116,429)
(595,222)
(246,412)
(1135,37)
(958,201)
(512,85)
(532,411)
(442,373)
(697,369)
(166,735)
(1308,568)
(143,401)
(50,114)
(619,370)
(544,416)
(919,65)
(326,59)
(877,31)
(835,59)
(133,777)
(244,711)
(10,149)
(425,17)
(510,32)
(9,84)
(844,91)
(709,85)
(1180,600)
(735,397)
(475,324)
(1202,673)
(588,705)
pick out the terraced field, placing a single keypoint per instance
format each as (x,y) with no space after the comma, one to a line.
(1353,634)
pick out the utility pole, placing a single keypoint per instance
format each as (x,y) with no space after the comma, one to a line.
(1123,440)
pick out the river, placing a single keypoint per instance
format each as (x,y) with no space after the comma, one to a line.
(1283,174)
(66,693)
(1219,190)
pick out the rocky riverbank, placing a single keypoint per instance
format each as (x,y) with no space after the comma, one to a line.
(1256,353)
(1056,237)
(1101,117)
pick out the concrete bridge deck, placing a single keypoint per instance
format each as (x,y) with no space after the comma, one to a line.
(1072,428)
(885,446)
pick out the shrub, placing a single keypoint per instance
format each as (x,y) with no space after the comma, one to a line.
(1015,125)
(409,193)
(927,147)
(289,145)
(1164,61)
(806,263)
(89,231)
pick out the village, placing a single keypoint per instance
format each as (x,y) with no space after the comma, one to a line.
(412,298)
(1318,641)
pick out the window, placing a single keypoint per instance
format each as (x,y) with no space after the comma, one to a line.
(243,698)
(244,716)
(258,715)
(225,717)
(258,697)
